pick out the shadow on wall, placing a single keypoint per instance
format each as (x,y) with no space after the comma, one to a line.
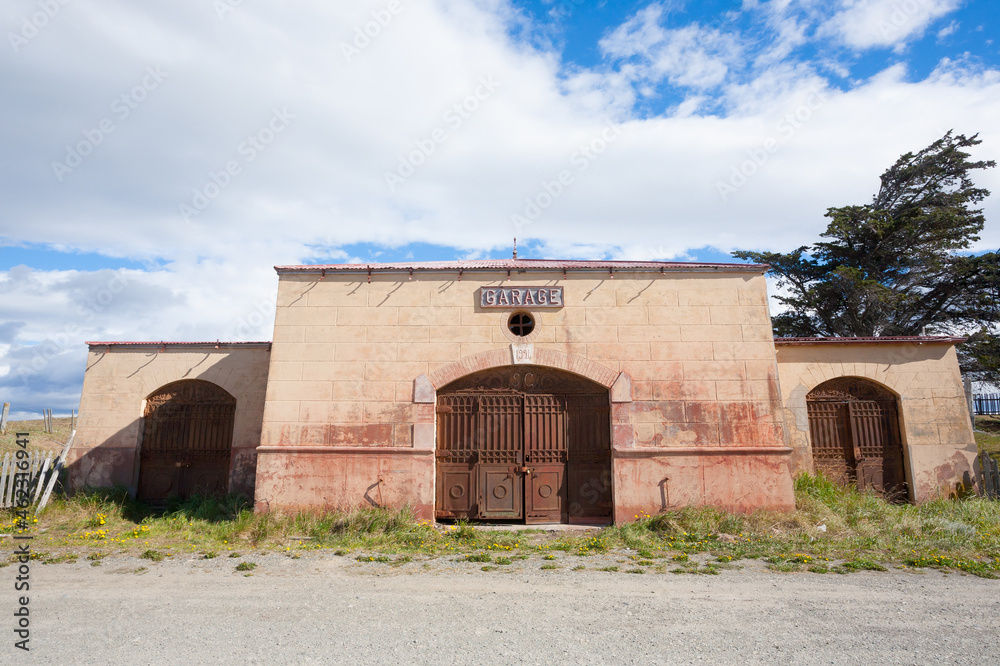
(110,436)
(110,464)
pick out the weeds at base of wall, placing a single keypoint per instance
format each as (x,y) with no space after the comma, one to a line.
(861,532)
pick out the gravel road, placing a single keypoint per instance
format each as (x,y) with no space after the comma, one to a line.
(335,610)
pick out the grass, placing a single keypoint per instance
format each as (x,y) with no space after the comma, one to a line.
(988,434)
(862,533)
(38,439)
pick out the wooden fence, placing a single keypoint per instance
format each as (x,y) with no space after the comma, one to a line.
(986,404)
(42,472)
(989,476)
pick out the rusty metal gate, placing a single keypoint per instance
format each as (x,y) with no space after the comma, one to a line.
(186,441)
(524,443)
(854,428)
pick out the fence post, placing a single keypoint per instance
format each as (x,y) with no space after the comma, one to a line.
(58,467)
(3,418)
(990,472)
(995,476)
(984,466)
(3,479)
(967,383)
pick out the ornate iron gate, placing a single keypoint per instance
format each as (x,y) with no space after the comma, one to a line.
(524,443)
(187,441)
(854,428)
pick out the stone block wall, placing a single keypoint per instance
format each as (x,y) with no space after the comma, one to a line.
(938,445)
(696,346)
(120,377)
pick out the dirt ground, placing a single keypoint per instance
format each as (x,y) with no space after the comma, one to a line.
(321,608)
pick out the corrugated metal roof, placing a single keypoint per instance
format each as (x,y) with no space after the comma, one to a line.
(948,339)
(523,265)
(148,343)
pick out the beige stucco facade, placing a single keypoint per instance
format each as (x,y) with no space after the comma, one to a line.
(702,422)
(939,449)
(120,377)
(343,408)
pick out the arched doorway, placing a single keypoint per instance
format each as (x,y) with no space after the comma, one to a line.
(524,443)
(854,428)
(187,439)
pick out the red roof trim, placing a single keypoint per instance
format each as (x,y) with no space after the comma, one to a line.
(923,339)
(217,343)
(524,264)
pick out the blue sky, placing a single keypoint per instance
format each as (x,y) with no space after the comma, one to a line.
(170,153)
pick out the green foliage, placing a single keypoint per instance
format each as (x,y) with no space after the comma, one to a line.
(833,529)
(862,565)
(479,557)
(246,566)
(895,266)
(988,434)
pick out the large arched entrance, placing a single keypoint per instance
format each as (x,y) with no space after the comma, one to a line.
(186,441)
(524,443)
(854,428)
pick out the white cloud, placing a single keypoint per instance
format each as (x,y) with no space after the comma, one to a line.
(691,56)
(864,24)
(948,30)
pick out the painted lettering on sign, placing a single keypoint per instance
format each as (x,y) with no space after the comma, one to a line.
(514,297)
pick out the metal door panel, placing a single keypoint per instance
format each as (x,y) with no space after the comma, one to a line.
(833,450)
(545,494)
(589,469)
(854,431)
(500,492)
(186,441)
(456,490)
(205,477)
(160,478)
(498,424)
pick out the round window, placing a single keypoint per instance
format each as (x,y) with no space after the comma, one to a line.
(521,324)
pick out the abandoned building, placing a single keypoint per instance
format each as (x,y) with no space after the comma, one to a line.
(539,391)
